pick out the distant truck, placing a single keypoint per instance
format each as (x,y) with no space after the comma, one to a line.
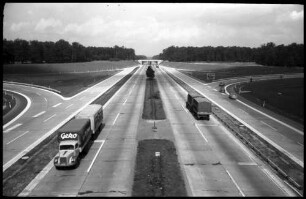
(150,72)
(199,106)
(74,136)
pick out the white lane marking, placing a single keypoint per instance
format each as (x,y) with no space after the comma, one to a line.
(38,114)
(301,144)
(269,126)
(291,127)
(45,99)
(56,105)
(125,101)
(223,93)
(36,180)
(102,142)
(215,89)
(247,152)
(68,106)
(49,117)
(128,81)
(38,94)
(29,102)
(81,98)
(116,118)
(176,96)
(240,191)
(276,182)
(201,132)
(13,127)
(184,108)
(247,163)
(17,137)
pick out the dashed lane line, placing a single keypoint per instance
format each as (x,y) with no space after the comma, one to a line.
(13,127)
(56,105)
(38,114)
(50,117)
(17,137)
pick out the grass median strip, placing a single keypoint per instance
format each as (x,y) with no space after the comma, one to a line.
(157,171)
(153,106)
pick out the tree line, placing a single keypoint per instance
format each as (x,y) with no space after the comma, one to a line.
(23,51)
(267,54)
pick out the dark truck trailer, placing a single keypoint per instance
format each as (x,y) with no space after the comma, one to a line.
(199,106)
(73,137)
(150,72)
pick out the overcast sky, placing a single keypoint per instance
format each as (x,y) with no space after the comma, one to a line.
(151,27)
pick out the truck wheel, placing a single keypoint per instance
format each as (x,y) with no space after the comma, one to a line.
(77,162)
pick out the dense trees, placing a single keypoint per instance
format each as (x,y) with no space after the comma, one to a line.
(60,52)
(267,54)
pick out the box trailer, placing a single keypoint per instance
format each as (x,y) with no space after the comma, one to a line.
(73,137)
(199,106)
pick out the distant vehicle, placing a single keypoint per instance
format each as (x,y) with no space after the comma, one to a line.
(150,72)
(233,96)
(221,84)
(199,106)
(157,66)
(74,136)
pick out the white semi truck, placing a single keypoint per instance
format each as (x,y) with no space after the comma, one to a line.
(74,136)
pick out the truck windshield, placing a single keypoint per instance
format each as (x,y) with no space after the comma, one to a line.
(66,147)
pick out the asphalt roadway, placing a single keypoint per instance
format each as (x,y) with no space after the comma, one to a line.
(213,162)
(45,113)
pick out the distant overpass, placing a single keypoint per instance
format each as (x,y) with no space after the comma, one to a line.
(150,62)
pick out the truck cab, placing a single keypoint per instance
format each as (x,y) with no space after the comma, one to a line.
(68,154)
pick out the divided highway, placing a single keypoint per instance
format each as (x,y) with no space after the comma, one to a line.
(48,111)
(212,160)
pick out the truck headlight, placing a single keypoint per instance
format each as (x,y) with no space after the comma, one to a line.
(56,159)
(72,159)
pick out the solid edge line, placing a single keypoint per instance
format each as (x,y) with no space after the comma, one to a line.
(103,141)
(240,191)
(37,179)
(29,102)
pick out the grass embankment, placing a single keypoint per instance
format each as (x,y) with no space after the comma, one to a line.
(157,175)
(22,172)
(69,78)
(153,106)
(283,96)
(222,72)
(290,103)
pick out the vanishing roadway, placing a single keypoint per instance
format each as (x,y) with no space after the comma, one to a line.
(212,160)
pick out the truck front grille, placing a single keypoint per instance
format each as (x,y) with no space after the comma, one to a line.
(63,160)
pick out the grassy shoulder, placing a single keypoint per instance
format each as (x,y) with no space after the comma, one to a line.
(282,96)
(68,83)
(69,78)
(157,175)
